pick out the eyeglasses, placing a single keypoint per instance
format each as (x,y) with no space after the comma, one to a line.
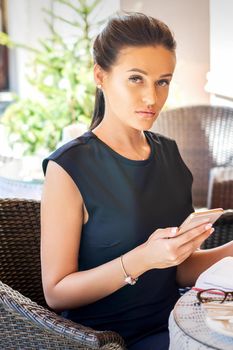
(214,295)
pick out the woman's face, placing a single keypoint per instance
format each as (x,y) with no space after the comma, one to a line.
(136,87)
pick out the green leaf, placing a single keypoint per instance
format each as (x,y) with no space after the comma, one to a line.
(60,71)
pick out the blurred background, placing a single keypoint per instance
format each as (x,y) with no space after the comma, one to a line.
(46,83)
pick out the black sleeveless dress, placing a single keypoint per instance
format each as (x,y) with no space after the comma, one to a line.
(127,200)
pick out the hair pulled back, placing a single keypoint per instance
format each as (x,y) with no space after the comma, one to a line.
(121,31)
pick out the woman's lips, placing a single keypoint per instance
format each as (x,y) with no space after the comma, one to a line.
(146,114)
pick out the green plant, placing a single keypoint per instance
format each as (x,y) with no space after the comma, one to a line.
(60,71)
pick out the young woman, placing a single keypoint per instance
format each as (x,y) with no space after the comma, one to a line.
(112,257)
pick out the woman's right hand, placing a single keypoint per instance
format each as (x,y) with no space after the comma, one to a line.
(166,247)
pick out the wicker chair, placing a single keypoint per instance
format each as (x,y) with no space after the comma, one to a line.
(204,135)
(223,232)
(28,323)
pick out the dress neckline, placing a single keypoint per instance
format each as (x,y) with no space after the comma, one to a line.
(123,158)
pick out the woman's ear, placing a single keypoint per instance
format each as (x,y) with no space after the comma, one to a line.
(98,75)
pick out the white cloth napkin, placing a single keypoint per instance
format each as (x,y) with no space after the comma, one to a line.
(219,275)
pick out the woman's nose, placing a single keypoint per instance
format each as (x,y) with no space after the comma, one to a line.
(150,97)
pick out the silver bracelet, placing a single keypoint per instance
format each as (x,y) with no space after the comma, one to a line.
(128,279)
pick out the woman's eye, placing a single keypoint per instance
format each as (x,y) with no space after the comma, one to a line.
(135,78)
(163,82)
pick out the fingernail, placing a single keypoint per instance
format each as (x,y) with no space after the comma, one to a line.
(212,230)
(173,230)
(208,226)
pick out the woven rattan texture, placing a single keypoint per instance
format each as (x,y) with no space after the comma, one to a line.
(204,135)
(221,188)
(223,231)
(20,247)
(25,324)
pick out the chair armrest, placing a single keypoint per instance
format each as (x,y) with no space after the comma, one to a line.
(223,232)
(220,192)
(25,324)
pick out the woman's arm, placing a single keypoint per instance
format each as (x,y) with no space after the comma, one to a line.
(61,225)
(189,270)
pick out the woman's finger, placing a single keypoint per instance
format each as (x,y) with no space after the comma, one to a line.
(195,243)
(200,239)
(192,234)
(168,232)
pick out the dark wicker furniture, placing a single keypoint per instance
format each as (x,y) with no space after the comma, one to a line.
(204,135)
(223,231)
(28,323)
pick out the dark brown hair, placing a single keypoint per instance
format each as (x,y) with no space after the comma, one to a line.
(129,29)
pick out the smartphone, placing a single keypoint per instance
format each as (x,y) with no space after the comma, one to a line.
(198,218)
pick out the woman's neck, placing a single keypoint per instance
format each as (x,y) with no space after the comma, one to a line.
(128,142)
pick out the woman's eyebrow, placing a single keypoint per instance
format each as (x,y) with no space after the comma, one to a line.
(137,70)
(144,72)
